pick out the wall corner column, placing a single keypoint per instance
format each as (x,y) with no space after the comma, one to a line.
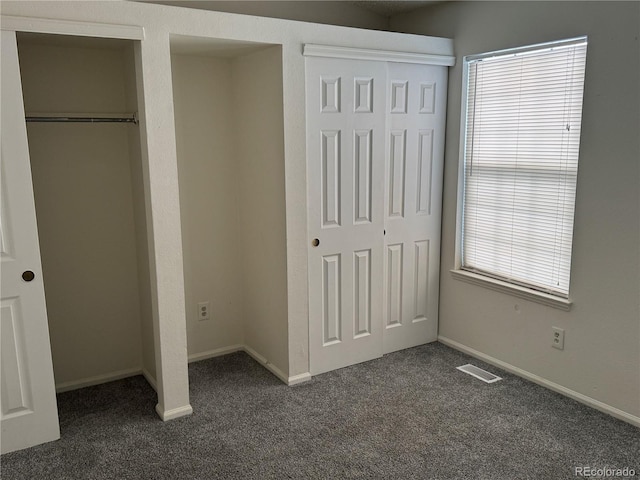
(162,201)
(293,78)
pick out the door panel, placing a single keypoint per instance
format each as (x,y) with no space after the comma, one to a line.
(28,411)
(413,199)
(375,145)
(345,146)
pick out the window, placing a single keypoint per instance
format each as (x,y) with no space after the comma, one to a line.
(522,111)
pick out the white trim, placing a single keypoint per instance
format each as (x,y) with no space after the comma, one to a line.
(462,146)
(166,415)
(511,289)
(266,364)
(68,27)
(97,380)
(312,50)
(196,357)
(591,402)
(523,50)
(294,380)
(301,378)
(149,378)
(132,372)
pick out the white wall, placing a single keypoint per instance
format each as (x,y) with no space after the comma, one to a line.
(601,359)
(209,200)
(257,95)
(84,206)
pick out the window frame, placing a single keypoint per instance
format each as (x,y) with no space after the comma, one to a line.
(479,278)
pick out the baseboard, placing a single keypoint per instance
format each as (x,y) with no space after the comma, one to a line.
(591,402)
(217,352)
(97,380)
(174,413)
(275,370)
(301,378)
(149,378)
(110,377)
(266,364)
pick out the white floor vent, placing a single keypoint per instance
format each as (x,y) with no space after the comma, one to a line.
(479,373)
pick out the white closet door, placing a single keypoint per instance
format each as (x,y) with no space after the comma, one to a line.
(413,203)
(29,415)
(345,146)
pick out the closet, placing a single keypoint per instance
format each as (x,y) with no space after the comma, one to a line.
(237,189)
(80,103)
(228,108)
(375,151)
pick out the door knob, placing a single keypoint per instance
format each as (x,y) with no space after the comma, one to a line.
(315,242)
(28,275)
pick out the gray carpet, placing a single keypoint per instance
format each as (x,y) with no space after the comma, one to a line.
(409,415)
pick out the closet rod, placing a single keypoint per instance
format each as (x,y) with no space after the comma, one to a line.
(60,118)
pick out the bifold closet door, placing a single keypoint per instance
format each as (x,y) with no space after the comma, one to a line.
(29,413)
(345,146)
(375,146)
(413,203)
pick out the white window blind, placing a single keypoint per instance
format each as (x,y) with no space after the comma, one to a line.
(523,118)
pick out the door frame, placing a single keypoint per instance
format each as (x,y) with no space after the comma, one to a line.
(160,184)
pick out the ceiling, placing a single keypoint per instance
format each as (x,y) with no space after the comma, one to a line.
(388,8)
(385,8)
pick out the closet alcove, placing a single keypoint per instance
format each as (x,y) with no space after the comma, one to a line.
(228,107)
(90,207)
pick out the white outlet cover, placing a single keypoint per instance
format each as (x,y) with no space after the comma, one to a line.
(204,311)
(557,340)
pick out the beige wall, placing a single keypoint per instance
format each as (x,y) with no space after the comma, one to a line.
(257,80)
(209,200)
(229,132)
(601,359)
(84,206)
(140,220)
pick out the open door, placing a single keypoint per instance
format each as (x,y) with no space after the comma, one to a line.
(29,414)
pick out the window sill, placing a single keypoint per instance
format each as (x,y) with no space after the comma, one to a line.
(515,290)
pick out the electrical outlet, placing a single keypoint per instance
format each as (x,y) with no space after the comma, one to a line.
(203,310)
(558,338)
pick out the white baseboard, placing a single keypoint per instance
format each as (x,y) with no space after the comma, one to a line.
(294,380)
(301,378)
(591,402)
(174,413)
(275,370)
(266,364)
(217,352)
(110,377)
(98,379)
(149,378)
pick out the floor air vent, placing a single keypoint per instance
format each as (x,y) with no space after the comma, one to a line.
(479,373)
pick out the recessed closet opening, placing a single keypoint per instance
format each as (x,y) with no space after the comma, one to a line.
(88,188)
(228,101)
